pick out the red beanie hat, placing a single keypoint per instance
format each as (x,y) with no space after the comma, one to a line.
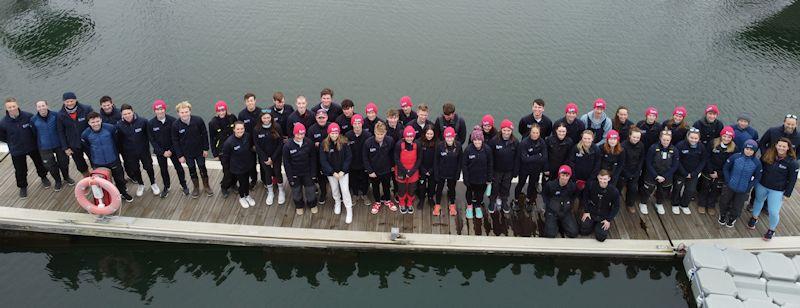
(449,132)
(334,128)
(506,124)
(488,120)
(405,101)
(680,110)
(159,104)
(356,118)
(612,134)
(712,108)
(371,107)
(220,106)
(727,131)
(409,132)
(299,128)
(571,107)
(565,169)
(600,103)
(651,110)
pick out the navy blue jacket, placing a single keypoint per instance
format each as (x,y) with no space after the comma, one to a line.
(504,153)
(614,163)
(743,135)
(716,156)
(553,191)
(678,133)
(344,123)
(189,140)
(545,126)
(428,159)
(299,160)
(774,134)
(447,164)
(557,152)
(237,154)
(101,146)
(601,203)
(378,156)
(250,118)
(457,124)
(218,131)
(742,172)
(661,161)
(634,159)
(335,160)
(334,110)
(691,160)
(584,165)
(267,145)
(46,129)
(317,133)
(18,133)
(282,118)
(532,156)
(161,134)
(477,165)
(69,130)
(357,148)
(650,133)
(781,175)
(307,119)
(708,131)
(132,137)
(111,118)
(574,129)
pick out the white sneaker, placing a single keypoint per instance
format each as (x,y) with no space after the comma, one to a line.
(676,210)
(337,209)
(155,189)
(314,210)
(250,200)
(660,209)
(349,218)
(498,202)
(243,202)
(281,194)
(686,210)
(140,190)
(270,197)
(643,208)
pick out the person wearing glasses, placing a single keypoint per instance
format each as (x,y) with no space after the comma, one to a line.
(776,185)
(788,130)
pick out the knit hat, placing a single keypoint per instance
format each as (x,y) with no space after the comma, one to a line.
(68,95)
(565,169)
(333,128)
(651,110)
(599,103)
(356,118)
(299,128)
(751,144)
(409,132)
(371,107)
(571,107)
(727,131)
(449,132)
(680,110)
(712,108)
(477,134)
(159,104)
(506,124)
(612,134)
(405,101)
(488,120)
(745,117)
(220,106)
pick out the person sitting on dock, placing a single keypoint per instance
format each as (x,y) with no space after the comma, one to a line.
(776,185)
(299,161)
(190,142)
(161,139)
(237,156)
(558,196)
(600,203)
(71,122)
(132,137)
(53,157)
(661,162)
(17,131)
(99,140)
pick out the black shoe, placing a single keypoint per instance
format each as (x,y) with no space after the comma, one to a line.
(403,209)
(749,207)
(529,207)
(23,192)
(226,193)
(506,208)
(69,181)
(751,224)
(730,223)
(490,207)
(768,236)
(410,209)
(46,182)
(127,197)
(164,192)
(721,220)
(516,206)
(185,190)
(253,184)
(58,186)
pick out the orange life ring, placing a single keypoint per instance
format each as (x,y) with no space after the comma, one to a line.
(83,186)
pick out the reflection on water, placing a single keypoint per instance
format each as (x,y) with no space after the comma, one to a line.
(45,37)
(781,30)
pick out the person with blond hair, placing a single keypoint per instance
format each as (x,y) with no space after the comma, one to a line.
(190,142)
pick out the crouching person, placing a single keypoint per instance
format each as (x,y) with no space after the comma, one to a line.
(558,196)
(237,157)
(600,204)
(99,141)
(299,161)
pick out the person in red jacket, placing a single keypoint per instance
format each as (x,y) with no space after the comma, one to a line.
(407,160)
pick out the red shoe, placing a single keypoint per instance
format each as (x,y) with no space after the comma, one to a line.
(376,207)
(452,208)
(391,205)
(437,209)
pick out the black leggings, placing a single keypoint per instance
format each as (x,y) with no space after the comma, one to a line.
(382,180)
(427,187)
(532,178)
(451,190)
(359,182)
(475,194)
(731,203)
(632,192)
(163,166)
(662,191)
(244,186)
(270,174)
(710,191)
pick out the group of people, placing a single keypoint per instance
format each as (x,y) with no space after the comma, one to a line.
(407,160)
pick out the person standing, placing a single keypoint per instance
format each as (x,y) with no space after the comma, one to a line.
(600,203)
(584,159)
(356,139)
(788,130)
(677,124)
(597,121)
(477,167)
(612,156)
(504,152)
(281,112)
(299,161)
(559,146)
(447,170)
(71,122)
(742,171)
(776,185)
(335,158)
(250,117)
(237,154)
(570,120)
(709,126)
(407,160)
(531,161)
(711,182)
(220,127)
(622,123)
(427,182)
(371,113)
(536,117)
(317,133)
(190,142)
(377,154)
(558,196)
(326,103)
(344,119)
(691,161)
(301,115)
(99,140)
(268,142)
(407,114)
(634,152)
(132,139)
(161,139)
(661,163)
(108,111)
(743,131)
(17,131)
(650,127)
(449,118)
(53,157)
(421,122)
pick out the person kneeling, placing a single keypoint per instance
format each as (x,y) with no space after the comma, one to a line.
(600,205)
(558,195)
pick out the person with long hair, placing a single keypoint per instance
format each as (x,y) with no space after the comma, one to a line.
(237,154)
(447,169)
(407,160)
(691,160)
(427,182)
(477,167)
(335,158)
(504,151)
(634,152)
(612,158)
(531,162)
(661,162)
(711,181)
(220,127)
(571,122)
(622,123)
(559,146)
(742,171)
(268,141)
(677,124)
(776,185)
(584,159)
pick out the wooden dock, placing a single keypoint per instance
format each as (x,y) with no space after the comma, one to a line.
(217,220)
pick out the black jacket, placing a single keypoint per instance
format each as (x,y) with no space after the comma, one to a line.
(574,129)
(418,130)
(447,164)
(776,133)
(614,163)
(557,152)
(357,148)
(634,159)
(600,203)
(717,156)
(532,156)
(428,155)
(132,137)
(249,118)
(678,133)
(545,125)
(344,123)
(334,111)
(378,156)
(780,175)
(111,118)
(267,145)
(307,119)
(661,161)
(189,140)
(218,131)
(504,153)
(477,165)
(708,131)
(406,119)
(282,118)
(624,129)
(457,124)
(584,165)
(161,134)
(317,133)
(18,133)
(70,130)
(237,154)
(650,133)
(553,192)
(335,160)
(369,125)
(299,160)
(691,160)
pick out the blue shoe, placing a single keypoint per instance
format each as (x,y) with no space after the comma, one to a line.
(478,213)
(469,211)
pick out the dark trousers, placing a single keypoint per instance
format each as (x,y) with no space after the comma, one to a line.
(381,181)
(561,220)
(253,174)
(268,173)
(631,183)
(117,173)
(501,186)
(661,190)
(475,194)
(684,190)
(163,166)
(194,163)
(710,191)
(451,190)
(322,183)
(244,186)
(56,162)
(731,203)
(228,178)
(80,161)
(532,178)
(131,163)
(592,225)
(303,192)
(426,187)
(21,167)
(359,182)
(406,192)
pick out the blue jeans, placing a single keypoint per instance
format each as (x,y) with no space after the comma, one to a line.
(774,198)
